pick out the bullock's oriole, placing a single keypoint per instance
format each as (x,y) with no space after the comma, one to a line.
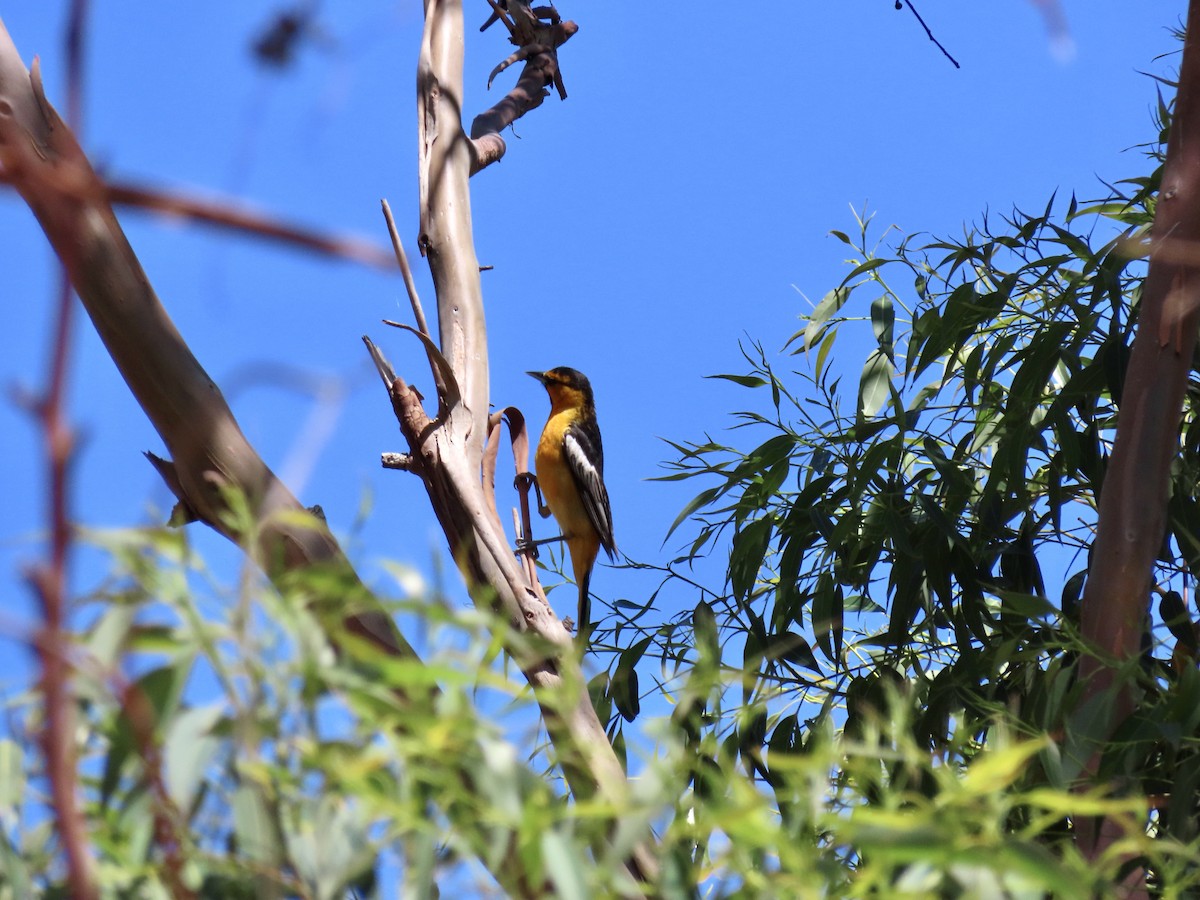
(570,471)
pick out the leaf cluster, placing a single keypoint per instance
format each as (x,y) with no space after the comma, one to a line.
(912,522)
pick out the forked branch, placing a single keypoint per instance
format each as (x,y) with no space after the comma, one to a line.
(448,453)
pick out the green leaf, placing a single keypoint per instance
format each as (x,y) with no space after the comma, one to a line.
(1025,606)
(828,613)
(701,500)
(794,649)
(565,865)
(823,352)
(862,268)
(883,320)
(829,305)
(875,386)
(162,689)
(108,634)
(996,770)
(254,827)
(750,381)
(624,685)
(746,556)
(12,782)
(704,624)
(189,749)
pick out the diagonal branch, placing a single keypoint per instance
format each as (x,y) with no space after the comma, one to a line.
(209,453)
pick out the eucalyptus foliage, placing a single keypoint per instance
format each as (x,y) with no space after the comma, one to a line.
(228,752)
(908,541)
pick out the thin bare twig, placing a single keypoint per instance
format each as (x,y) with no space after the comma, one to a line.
(945,52)
(53,641)
(405,270)
(232,214)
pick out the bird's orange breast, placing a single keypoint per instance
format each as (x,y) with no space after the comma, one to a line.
(554,476)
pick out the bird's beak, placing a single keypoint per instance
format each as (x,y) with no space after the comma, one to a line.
(540,376)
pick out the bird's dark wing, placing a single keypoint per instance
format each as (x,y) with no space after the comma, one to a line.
(585,458)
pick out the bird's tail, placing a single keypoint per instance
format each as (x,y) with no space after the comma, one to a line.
(583,626)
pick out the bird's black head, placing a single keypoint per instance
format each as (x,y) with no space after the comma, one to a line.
(565,382)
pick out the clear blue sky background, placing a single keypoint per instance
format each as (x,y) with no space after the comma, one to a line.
(679,200)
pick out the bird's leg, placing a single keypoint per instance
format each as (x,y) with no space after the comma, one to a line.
(524,545)
(522,483)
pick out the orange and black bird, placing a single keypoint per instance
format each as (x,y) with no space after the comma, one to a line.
(570,472)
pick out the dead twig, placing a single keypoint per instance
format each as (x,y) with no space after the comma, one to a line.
(928,32)
(537,33)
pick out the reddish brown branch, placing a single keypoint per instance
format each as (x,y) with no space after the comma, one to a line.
(49,580)
(230,214)
(53,641)
(233,215)
(1133,501)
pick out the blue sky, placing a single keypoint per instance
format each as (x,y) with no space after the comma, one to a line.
(677,202)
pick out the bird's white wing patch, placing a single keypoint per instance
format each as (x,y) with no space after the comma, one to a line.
(591,486)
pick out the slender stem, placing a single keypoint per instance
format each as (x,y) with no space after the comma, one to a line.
(406,271)
(50,579)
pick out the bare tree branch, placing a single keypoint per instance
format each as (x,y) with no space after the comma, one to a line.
(448,452)
(406,271)
(53,642)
